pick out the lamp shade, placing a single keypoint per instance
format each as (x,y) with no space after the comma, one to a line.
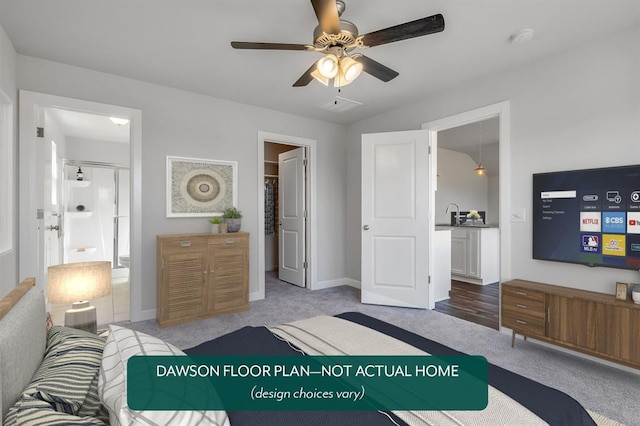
(72,282)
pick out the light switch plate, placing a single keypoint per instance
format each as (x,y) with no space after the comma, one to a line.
(518,215)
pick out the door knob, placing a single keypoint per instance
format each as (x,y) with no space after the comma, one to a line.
(366,227)
(53,228)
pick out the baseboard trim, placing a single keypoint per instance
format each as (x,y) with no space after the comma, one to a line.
(336,283)
(145,315)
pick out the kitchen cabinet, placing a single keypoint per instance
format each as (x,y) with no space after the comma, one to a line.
(475,255)
(201,275)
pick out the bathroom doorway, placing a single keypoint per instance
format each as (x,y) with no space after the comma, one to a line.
(88,218)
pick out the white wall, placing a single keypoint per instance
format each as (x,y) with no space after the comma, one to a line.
(96,150)
(493,203)
(458,183)
(180,123)
(8,59)
(578,109)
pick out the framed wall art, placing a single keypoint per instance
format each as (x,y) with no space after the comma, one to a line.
(200,188)
(621,291)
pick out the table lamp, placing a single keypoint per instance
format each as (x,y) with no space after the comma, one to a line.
(78,283)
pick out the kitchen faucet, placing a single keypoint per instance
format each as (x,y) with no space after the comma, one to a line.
(457,212)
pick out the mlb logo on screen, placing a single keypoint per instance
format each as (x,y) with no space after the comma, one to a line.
(590,243)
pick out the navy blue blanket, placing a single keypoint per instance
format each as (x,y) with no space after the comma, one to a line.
(551,405)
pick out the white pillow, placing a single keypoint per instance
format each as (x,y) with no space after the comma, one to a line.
(121,345)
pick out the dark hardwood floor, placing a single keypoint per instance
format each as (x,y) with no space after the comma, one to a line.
(471,302)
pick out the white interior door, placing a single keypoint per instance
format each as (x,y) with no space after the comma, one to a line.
(291,207)
(395,219)
(52,206)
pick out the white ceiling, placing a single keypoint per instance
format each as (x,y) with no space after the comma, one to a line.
(89,126)
(185,44)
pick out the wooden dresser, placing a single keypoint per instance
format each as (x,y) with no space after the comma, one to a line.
(593,323)
(201,275)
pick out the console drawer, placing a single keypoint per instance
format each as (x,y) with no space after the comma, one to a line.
(522,293)
(522,306)
(523,324)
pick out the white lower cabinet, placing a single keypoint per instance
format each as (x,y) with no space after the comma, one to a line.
(475,255)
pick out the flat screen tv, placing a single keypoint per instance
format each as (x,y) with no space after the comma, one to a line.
(591,217)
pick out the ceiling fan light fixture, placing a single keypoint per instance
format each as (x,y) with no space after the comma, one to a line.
(324,80)
(350,69)
(327,66)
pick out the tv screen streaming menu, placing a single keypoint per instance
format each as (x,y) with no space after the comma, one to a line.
(588,216)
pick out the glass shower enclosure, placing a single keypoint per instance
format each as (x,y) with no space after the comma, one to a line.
(96,223)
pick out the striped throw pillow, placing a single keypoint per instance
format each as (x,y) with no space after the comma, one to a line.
(64,389)
(122,344)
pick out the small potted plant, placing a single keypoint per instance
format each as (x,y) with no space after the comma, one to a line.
(215,224)
(232,217)
(474,217)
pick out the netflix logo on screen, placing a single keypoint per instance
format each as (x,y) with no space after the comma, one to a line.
(590,222)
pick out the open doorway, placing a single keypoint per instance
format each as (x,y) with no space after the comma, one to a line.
(472,169)
(285,213)
(468,179)
(283,145)
(69,142)
(90,181)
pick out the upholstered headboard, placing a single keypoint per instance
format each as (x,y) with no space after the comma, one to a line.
(23,335)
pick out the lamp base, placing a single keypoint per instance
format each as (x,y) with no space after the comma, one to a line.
(81,316)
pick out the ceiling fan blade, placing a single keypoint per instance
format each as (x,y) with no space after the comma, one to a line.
(306,77)
(327,13)
(417,28)
(268,46)
(376,69)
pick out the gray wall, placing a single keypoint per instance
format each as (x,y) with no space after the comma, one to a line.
(575,110)
(458,183)
(578,109)
(9,260)
(186,124)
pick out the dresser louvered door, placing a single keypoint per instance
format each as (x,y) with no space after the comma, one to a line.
(185,285)
(229,273)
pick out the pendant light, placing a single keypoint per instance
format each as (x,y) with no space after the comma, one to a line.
(480,170)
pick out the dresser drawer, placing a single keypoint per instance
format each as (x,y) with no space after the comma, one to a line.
(522,293)
(229,240)
(183,245)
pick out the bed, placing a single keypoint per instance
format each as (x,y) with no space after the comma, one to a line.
(36,361)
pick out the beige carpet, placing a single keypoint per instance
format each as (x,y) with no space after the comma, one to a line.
(602,420)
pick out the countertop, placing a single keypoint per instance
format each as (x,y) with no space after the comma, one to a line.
(444,227)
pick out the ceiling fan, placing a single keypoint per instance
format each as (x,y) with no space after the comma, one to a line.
(337,39)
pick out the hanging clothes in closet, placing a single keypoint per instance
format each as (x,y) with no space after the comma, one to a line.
(270,205)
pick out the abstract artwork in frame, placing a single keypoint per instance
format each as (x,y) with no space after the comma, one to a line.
(200,188)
